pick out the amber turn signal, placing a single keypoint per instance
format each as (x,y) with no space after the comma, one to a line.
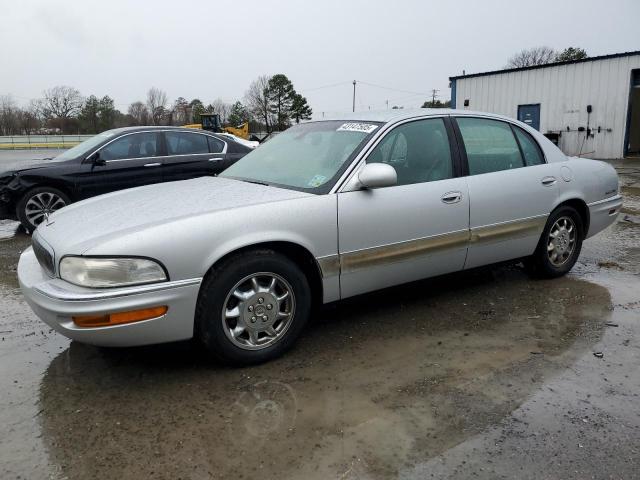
(119,317)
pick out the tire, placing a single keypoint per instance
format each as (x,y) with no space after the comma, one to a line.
(38,202)
(541,263)
(251,331)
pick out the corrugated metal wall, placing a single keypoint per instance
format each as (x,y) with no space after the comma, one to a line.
(564,92)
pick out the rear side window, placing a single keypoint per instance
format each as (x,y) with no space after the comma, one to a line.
(490,145)
(184,143)
(530,149)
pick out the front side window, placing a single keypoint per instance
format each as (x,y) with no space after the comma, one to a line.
(490,145)
(419,151)
(308,157)
(135,145)
(530,149)
(86,147)
(184,143)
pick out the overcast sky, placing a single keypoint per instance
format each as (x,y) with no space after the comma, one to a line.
(211,49)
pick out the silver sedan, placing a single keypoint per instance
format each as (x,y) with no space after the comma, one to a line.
(324,211)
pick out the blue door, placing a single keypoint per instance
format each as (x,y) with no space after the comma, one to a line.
(530,114)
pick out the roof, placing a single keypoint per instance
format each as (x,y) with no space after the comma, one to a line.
(548,65)
(146,128)
(137,128)
(397,115)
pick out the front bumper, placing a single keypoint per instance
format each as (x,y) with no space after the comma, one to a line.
(603,213)
(56,301)
(7,212)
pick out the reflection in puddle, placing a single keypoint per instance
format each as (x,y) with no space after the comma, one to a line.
(264,410)
(376,384)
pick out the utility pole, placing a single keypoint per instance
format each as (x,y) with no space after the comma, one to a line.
(434,94)
(354,96)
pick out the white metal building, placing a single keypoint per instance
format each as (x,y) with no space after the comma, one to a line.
(590,107)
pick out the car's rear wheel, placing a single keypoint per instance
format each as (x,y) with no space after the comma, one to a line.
(560,244)
(37,204)
(252,307)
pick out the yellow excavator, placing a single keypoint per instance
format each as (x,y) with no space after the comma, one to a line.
(211,122)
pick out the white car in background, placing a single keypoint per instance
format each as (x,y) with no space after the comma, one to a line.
(324,211)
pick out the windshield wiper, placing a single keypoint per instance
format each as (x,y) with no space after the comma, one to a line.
(256,182)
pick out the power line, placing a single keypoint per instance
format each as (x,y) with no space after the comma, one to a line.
(390,88)
(324,86)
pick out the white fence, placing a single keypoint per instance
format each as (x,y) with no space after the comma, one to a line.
(40,141)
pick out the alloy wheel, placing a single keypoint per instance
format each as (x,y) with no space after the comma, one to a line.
(258,310)
(561,241)
(41,205)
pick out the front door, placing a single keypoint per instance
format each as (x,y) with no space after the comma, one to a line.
(416,229)
(131,160)
(512,190)
(530,114)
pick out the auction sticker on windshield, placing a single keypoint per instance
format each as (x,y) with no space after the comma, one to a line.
(357,127)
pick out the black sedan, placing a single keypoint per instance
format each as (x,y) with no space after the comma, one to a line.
(113,160)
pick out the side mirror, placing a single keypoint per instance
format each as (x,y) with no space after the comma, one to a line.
(377,175)
(96,160)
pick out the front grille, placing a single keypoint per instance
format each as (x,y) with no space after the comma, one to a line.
(44,255)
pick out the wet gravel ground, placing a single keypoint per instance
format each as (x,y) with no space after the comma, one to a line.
(482,374)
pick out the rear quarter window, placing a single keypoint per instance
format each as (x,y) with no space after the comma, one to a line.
(530,148)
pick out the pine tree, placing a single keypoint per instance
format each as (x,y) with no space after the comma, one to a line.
(281,97)
(300,109)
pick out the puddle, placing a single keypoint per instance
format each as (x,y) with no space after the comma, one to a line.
(376,384)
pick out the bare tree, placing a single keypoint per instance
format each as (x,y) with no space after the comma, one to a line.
(62,103)
(8,115)
(181,111)
(532,56)
(157,105)
(139,113)
(220,107)
(29,118)
(257,99)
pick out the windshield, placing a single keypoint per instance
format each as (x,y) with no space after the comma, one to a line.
(85,147)
(308,157)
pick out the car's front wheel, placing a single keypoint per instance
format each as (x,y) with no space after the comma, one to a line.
(37,204)
(560,244)
(252,307)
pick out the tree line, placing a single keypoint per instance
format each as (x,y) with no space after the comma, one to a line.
(544,55)
(270,103)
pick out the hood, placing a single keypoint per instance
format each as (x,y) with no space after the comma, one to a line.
(22,166)
(80,225)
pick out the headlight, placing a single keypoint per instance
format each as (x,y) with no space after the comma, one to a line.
(110,272)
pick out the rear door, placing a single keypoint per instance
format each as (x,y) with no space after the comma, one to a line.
(192,154)
(131,160)
(511,189)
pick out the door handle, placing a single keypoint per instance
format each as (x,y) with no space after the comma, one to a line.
(548,181)
(152,164)
(216,159)
(451,197)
